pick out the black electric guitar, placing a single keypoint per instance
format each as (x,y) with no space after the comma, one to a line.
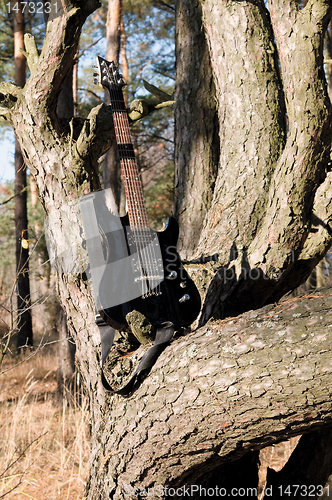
(144,271)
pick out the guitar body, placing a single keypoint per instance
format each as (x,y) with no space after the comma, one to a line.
(178,299)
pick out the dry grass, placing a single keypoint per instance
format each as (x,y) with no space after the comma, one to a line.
(44,448)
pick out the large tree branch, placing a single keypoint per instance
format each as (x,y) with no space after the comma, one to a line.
(57,54)
(252,103)
(230,387)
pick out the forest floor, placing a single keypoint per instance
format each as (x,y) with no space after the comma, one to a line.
(44,444)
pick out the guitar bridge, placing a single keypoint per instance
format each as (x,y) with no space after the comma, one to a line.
(152,293)
(148,278)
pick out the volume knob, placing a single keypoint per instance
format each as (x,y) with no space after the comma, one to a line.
(172,275)
(184,298)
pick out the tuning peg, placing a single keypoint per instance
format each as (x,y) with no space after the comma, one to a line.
(95,74)
(94,66)
(95,81)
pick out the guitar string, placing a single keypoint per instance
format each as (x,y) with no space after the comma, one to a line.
(133,215)
(120,139)
(133,222)
(145,233)
(137,211)
(136,214)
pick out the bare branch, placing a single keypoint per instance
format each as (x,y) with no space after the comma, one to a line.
(14,195)
(319,10)
(9,94)
(88,91)
(21,455)
(31,52)
(97,134)
(89,47)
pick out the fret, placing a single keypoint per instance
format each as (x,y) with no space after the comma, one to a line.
(129,169)
(117,101)
(126,150)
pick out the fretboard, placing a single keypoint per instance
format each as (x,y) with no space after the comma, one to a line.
(129,169)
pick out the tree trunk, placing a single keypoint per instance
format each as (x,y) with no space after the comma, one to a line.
(113,34)
(24,321)
(268,192)
(196,129)
(66,372)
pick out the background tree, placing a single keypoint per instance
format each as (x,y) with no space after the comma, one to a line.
(24,320)
(220,394)
(113,42)
(66,350)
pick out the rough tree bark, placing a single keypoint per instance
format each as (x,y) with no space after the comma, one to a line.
(268,216)
(269,209)
(224,391)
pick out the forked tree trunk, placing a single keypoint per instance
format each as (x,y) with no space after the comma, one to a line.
(267,212)
(226,390)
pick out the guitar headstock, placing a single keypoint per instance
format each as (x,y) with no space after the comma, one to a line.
(108,76)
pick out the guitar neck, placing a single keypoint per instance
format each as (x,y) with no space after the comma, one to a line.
(129,168)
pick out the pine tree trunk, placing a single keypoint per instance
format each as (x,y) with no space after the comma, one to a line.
(66,371)
(268,188)
(113,35)
(24,321)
